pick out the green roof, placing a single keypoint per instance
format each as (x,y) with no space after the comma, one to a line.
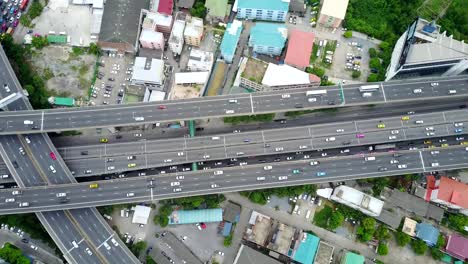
(57,38)
(268,34)
(353,258)
(179,217)
(65,101)
(279,5)
(217,8)
(307,249)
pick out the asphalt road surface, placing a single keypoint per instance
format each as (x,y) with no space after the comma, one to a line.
(182,184)
(219,106)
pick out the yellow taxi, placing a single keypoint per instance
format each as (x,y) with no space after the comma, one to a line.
(381,125)
(444,145)
(431,146)
(131,165)
(427,142)
(405,118)
(464,143)
(93,185)
(103,140)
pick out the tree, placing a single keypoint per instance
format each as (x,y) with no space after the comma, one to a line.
(316,70)
(35,10)
(402,238)
(356,74)
(138,247)
(335,220)
(39,42)
(150,260)
(374,63)
(419,246)
(198,9)
(436,253)
(373,78)
(440,241)
(94,49)
(257,197)
(382,233)
(348,34)
(457,222)
(228,241)
(382,249)
(366,230)
(372,53)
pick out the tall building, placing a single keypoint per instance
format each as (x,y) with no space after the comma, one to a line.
(332,13)
(176,40)
(271,10)
(193,32)
(230,40)
(268,38)
(422,51)
(150,39)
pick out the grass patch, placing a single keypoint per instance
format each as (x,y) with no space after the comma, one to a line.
(313,56)
(48,74)
(249,119)
(305,112)
(83,69)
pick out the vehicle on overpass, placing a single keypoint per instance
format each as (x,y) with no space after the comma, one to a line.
(369,88)
(316,92)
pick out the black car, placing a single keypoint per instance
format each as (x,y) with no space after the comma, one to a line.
(15,164)
(84,152)
(111,79)
(25,240)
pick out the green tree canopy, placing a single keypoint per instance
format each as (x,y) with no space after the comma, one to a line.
(419,246)
(402,239)
(382,249)
(348,34)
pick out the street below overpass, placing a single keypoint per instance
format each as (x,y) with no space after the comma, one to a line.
(219,106)
(182,184)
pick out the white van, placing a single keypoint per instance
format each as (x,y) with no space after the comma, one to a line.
(214,138)
(28,122)
(369,158)
(261,178)
(330,139)
(367,95)
(307,214)
(75,245)
(139,118)
(233,101)
(419,121)
(452,91)
(312,99)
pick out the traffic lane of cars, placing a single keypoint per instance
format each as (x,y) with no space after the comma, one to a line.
(113,191)
(424,89)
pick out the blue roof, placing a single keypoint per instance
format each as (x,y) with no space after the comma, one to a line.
(279,5)
(196,216)
(227,229)
(231,37)
(269,34)
(428,233)
(305,253)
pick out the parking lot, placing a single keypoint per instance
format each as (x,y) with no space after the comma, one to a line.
(113,78)
(11,13)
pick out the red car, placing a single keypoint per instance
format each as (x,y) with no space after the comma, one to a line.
(162,107)
(52,155)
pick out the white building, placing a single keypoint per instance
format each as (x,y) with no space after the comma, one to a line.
(176,40)
(357,200)
(422,51)
(191,77)
(97,11)
(148,72)
(141,215)
(200,60)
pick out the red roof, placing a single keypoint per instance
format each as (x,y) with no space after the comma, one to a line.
(299,48)
(165,6)
(457,246)
(453,192)
(431,185)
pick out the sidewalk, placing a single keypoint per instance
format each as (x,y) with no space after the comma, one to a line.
(397,255)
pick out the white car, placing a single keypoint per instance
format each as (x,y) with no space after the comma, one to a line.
(243,163)
(114,242)
(214,185)
(459,138)
(394,161)
(434,84)
(60,195)
(434,164)
(111,168)
(330,139)
(284,96)
(324,154)
(206,156)
(180,177)
(339,130)
(89,251)
(267,167)
(218,172)
(261,178)
(130,194)
(435,152)
(392,137)
(282,178)
(167,160)
(402,166)
(175,183)
(16,192)
(458,124)
(177,189)
(9,200)
(314,163)
(429,128)
(394,132)
(229,111)
(416,91)
(303,147)
(27,140)
(180,154)
(279,149)
(430,134)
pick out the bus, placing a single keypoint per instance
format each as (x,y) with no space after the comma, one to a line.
(316,92)
(23,5)
(383,147)
(369,88)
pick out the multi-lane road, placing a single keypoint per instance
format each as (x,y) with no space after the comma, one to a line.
(164,186)
(219,106)
(85,227)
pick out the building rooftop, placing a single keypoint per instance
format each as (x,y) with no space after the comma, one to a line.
(193,27)
(231,37)
(254,70)
(187,4)
(353,258)
(216,8)
(278,75)
(118,23)
(452,191)
(361,201)
(200,60)
(165,6)
(305,252)
(159,19)
(283,238)
(324,253)
(141,214)
(191,77)
(179,217)
(64,101)
(297,6)
(247,255)
(150,35)
(148,72)
(261,226)
(457,246)
(280,5)
(231,212)
(409,227)
(334,8)
(177,33)
(268,34)
(299,48)
(428,233)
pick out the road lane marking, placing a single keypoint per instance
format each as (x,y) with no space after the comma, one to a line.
(422,160)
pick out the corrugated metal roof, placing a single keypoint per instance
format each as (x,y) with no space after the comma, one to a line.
(231,37)
(65,101)
(217,8)
(268,34)
(307,249)
(280,5)
(427,233)
(299,48)
(196,216)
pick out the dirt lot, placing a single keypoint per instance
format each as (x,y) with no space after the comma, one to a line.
(66,73)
